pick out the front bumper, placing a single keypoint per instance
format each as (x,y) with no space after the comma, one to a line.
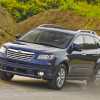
(26,68)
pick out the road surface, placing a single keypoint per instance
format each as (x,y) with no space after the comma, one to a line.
(21,88)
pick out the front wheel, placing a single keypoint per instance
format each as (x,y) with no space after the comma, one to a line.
(59,80)
(6,76)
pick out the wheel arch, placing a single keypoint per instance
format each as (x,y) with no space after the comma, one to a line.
(65,63)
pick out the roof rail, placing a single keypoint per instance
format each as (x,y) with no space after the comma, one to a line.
(87,31)
(51,26)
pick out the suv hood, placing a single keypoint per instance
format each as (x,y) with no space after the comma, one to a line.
(32,47)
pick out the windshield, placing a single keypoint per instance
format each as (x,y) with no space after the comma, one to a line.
(47,37)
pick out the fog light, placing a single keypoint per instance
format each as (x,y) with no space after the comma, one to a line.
(41,74)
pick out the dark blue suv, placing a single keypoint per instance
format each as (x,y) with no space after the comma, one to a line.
(51,53)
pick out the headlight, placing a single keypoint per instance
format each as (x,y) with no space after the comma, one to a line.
(45,57)
(2,49)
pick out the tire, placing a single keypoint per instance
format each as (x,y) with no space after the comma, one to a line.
(60,77)
(6,76)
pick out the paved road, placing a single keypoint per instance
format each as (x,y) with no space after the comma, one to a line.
(28,89)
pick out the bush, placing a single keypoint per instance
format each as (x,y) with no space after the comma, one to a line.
(20,10)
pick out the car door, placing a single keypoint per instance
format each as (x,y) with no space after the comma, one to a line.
(82,62)
(97,41)
(90,49)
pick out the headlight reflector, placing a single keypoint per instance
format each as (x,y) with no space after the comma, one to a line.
(2,49)
(45,57)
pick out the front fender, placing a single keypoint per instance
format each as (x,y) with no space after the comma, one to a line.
(61,60)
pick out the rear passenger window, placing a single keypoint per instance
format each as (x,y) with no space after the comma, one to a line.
(89,42)
(79,41)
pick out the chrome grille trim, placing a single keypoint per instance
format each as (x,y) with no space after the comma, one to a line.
(19,54)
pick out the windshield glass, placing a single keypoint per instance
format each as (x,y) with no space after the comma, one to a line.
(47,37)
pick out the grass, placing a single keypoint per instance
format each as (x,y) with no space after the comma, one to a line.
(88,10)
(83,8)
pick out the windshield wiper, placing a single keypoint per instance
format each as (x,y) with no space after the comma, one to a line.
(21,40)
(24,41)
(42,43)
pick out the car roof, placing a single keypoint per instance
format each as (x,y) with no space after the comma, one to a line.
(59,30)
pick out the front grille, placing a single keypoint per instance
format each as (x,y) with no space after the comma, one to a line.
(19,55)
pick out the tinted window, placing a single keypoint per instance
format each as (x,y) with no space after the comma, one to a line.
(48,37)
(79,41)
(89,42)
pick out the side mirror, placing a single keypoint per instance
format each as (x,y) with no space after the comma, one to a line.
(75,47)
(19,35)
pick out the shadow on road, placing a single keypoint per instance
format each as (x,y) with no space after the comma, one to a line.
(42,85)
(30,83)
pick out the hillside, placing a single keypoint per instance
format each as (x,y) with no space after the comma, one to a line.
(67,19)
(7,26)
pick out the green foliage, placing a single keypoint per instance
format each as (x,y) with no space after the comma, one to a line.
(83,8)
(22,9)
(88,10)
(68,4)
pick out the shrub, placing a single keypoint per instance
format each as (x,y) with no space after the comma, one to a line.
(20,10)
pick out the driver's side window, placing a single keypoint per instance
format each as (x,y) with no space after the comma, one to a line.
(79,41)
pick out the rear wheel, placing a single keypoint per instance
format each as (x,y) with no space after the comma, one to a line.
(59,80)
(6,76)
